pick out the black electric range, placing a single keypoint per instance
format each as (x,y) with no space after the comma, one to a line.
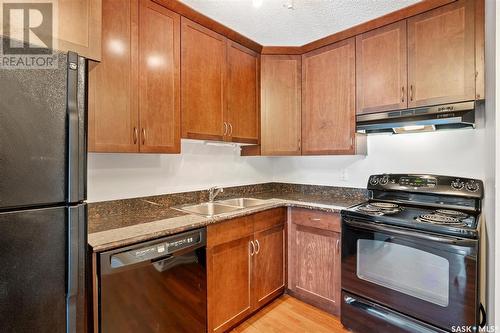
(410,255)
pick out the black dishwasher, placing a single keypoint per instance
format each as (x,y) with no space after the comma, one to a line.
(157,286)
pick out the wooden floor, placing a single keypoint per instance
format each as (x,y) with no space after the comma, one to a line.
(289,315)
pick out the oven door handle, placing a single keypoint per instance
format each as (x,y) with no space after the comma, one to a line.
(420,235)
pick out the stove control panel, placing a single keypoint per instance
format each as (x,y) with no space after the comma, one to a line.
(455,186)
(417,181)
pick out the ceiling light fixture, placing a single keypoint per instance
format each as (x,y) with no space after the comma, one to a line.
(257,3)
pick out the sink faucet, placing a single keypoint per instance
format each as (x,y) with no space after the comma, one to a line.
(213,192)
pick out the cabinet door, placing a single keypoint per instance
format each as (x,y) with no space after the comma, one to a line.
(328,97)
(441,55)
(315,266)
(269,265)
(381,69)
(280,105)
(229,270)
(80,26)
(242,113)
(203,71)
(113,108)
(159,71)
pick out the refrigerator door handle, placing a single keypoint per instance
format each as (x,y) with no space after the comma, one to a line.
(75,138)
(77,241)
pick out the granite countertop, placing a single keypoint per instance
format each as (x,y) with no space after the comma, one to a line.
(124,222)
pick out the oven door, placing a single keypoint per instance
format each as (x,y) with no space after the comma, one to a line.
(429,277)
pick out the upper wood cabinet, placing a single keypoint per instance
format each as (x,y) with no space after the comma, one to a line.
(113,84)
(80,27)
(328,100)
(381,69)
(242,94)
(159,71)
(441,55)
(280,105)
(203,73)
(134,92)
(314,258)
(219,87)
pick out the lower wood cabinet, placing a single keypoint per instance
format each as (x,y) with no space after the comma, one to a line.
(245,266)
(314,258)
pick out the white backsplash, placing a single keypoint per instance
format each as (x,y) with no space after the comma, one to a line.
(118,176)
(457,152)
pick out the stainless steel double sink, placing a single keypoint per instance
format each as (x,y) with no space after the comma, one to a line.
(210,209)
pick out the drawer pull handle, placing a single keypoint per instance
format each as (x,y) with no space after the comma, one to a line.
(316,219)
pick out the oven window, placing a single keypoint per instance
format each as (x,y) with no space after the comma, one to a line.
(408,270)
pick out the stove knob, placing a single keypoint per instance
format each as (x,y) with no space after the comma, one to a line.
(472,186)
(373,181)
(457,184)
(384,180)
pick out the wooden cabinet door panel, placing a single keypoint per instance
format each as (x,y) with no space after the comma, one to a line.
(381,69)
(159,70)
(280,105)
(328,100)
(79,26)
(242,113)
(229,270)
(113,108)
(314,262)
(269,265)
(203,70)
(441,55)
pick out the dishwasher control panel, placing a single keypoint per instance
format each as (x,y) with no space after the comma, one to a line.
(157,249)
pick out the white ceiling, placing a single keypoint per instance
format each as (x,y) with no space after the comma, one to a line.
(273,24)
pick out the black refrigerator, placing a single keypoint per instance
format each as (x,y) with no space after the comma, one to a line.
(43,214)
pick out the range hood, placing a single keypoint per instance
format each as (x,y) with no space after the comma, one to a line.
(429,118)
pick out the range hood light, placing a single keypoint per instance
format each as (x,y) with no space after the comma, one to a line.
(414,129)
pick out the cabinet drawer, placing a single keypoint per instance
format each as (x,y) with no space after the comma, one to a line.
(230,230)
(316,219)
(269,218)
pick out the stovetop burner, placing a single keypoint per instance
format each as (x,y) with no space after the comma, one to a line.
(442,219)
(384,205)
(452,213)
(380,208)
